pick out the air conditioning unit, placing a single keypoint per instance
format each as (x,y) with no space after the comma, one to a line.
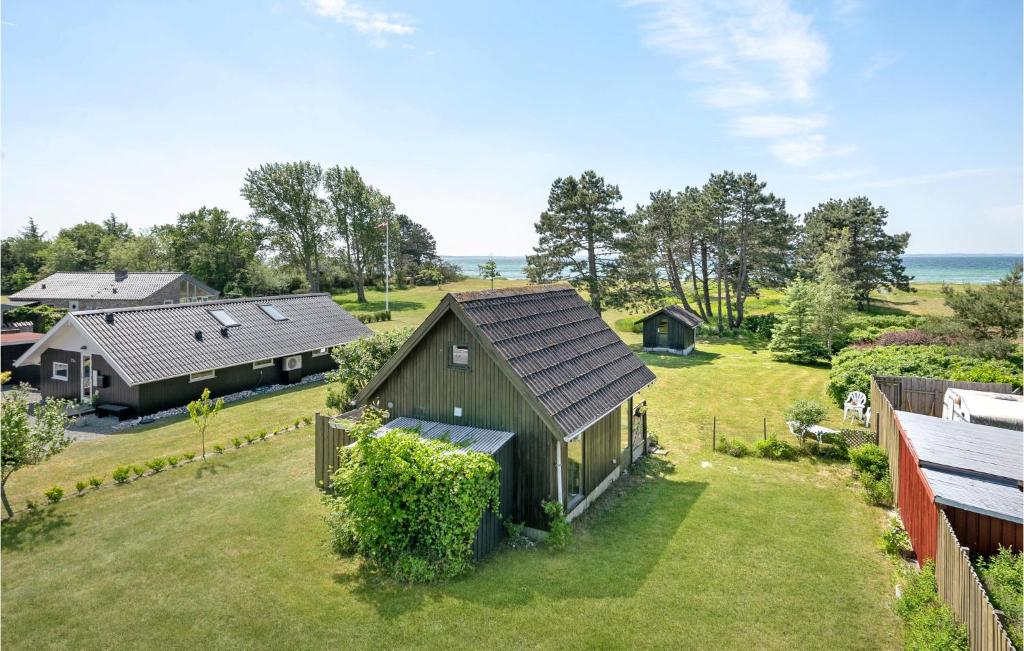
(293,363)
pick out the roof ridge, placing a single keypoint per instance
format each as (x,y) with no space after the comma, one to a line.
(523,290)
(222,301)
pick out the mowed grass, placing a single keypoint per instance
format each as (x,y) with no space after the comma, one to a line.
(135,446)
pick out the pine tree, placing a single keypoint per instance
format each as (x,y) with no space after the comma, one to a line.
(795,338)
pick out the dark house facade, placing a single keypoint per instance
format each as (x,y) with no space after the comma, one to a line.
(95,290)
(13,344)
(672,329)
(537,362)
(147,359)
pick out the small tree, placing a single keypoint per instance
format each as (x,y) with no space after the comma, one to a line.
(833,296)
(27,443)
(201,411)
(805,414)
(358,362)
(489,271)
(795,338)
(430,276)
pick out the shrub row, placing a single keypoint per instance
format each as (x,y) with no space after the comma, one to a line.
(871,465)
(374,317)
(928,622)
(124,474)
(771,448)
(1003,576)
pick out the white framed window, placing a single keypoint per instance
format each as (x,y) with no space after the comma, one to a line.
(263,363)
(202,375)
(273,312)
(168,301)
(225,318)
(60,371)
(320,352)
(460,356)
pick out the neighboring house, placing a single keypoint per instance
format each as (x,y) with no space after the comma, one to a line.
(536,362)
(971,472)
(146,359)
(672,329)
(96,290)
(13,344)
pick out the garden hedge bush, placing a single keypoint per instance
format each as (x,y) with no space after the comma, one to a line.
(852,368)
(410,506)
(1003,576)
(927,620)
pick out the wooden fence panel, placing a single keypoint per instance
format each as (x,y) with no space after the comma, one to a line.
(960,587)
(882,391)
(330,436)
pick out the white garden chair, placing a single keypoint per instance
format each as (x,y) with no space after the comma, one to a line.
(855,403)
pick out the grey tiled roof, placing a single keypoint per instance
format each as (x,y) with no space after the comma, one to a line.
(993,498)
(136,286)
(158,341)
(574,364)
(476,439)
(679,313)
(981,450)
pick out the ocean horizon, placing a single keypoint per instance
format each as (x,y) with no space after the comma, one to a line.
(953,268)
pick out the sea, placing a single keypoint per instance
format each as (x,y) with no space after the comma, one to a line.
(924,267)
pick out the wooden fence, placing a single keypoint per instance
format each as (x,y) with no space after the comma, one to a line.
(960,587)
(914,394)
(331,436)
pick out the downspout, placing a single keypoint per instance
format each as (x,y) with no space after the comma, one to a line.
(558,471)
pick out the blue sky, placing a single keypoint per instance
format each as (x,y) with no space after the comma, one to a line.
(464,112)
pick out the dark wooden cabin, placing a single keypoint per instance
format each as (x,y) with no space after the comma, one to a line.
(534,361)
(136,361)
(672,329)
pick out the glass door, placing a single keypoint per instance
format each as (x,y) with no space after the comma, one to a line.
(86,379)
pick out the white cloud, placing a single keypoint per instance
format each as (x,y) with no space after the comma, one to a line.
(746,55)
(775,126)
(376,24)
(878,63)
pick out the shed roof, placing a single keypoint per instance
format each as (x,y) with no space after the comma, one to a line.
(997,409)
(679,313)
(568,357)
(969,448)
(136,285)
(156,342)
(476,439)
(996,499)
(16,338)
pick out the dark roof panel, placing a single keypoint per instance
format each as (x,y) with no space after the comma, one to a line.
(565,354)
(679,313)
(159,341)
(79,285)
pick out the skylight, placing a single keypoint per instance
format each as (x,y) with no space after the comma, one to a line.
(225,318)
(273,312)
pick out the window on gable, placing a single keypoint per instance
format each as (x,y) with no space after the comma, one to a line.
(225,318)
(273,312)
(460,356)
(60,371)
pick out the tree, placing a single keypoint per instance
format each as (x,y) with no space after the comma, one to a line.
(27,442)
(215,247)
(21,258)
(202,410)
(998,307)
(115,229)
(358,362)
(145,252)
(805,414)
(430,276)
(360,214)
(285,198)
(415,247)
(82,247)
(795,338)
(580,233)
(832,293)
(873,257)
(489,271)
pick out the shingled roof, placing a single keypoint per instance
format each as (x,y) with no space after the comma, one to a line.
(574,366)
(135,286)
(157,342)
(679,313)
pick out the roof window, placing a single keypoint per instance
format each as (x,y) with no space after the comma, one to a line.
(273,312)
(225,318)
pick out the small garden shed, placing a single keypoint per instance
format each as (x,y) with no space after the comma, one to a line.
(672,329)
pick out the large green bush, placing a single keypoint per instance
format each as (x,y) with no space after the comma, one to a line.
(927,620)
(1003,575)
(852,369)
(358,362)
(410,506)
(870,461)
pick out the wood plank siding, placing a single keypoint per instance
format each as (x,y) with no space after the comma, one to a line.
(984,534)
(51,388)
(680,335)
(426,386)
(917,506)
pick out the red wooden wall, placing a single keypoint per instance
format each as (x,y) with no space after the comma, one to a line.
(917,503)
(984,534)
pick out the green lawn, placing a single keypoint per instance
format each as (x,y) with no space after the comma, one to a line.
(232,553)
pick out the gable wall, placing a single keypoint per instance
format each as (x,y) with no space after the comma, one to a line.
(424,386)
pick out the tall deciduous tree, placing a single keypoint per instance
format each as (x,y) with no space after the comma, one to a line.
(360,213)
(415,248)
(144,252)
(21,257)
(27,442)
(285,198)
(580,233)
(873,257)
(215,247)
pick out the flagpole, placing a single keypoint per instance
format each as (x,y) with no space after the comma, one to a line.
(387,263)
